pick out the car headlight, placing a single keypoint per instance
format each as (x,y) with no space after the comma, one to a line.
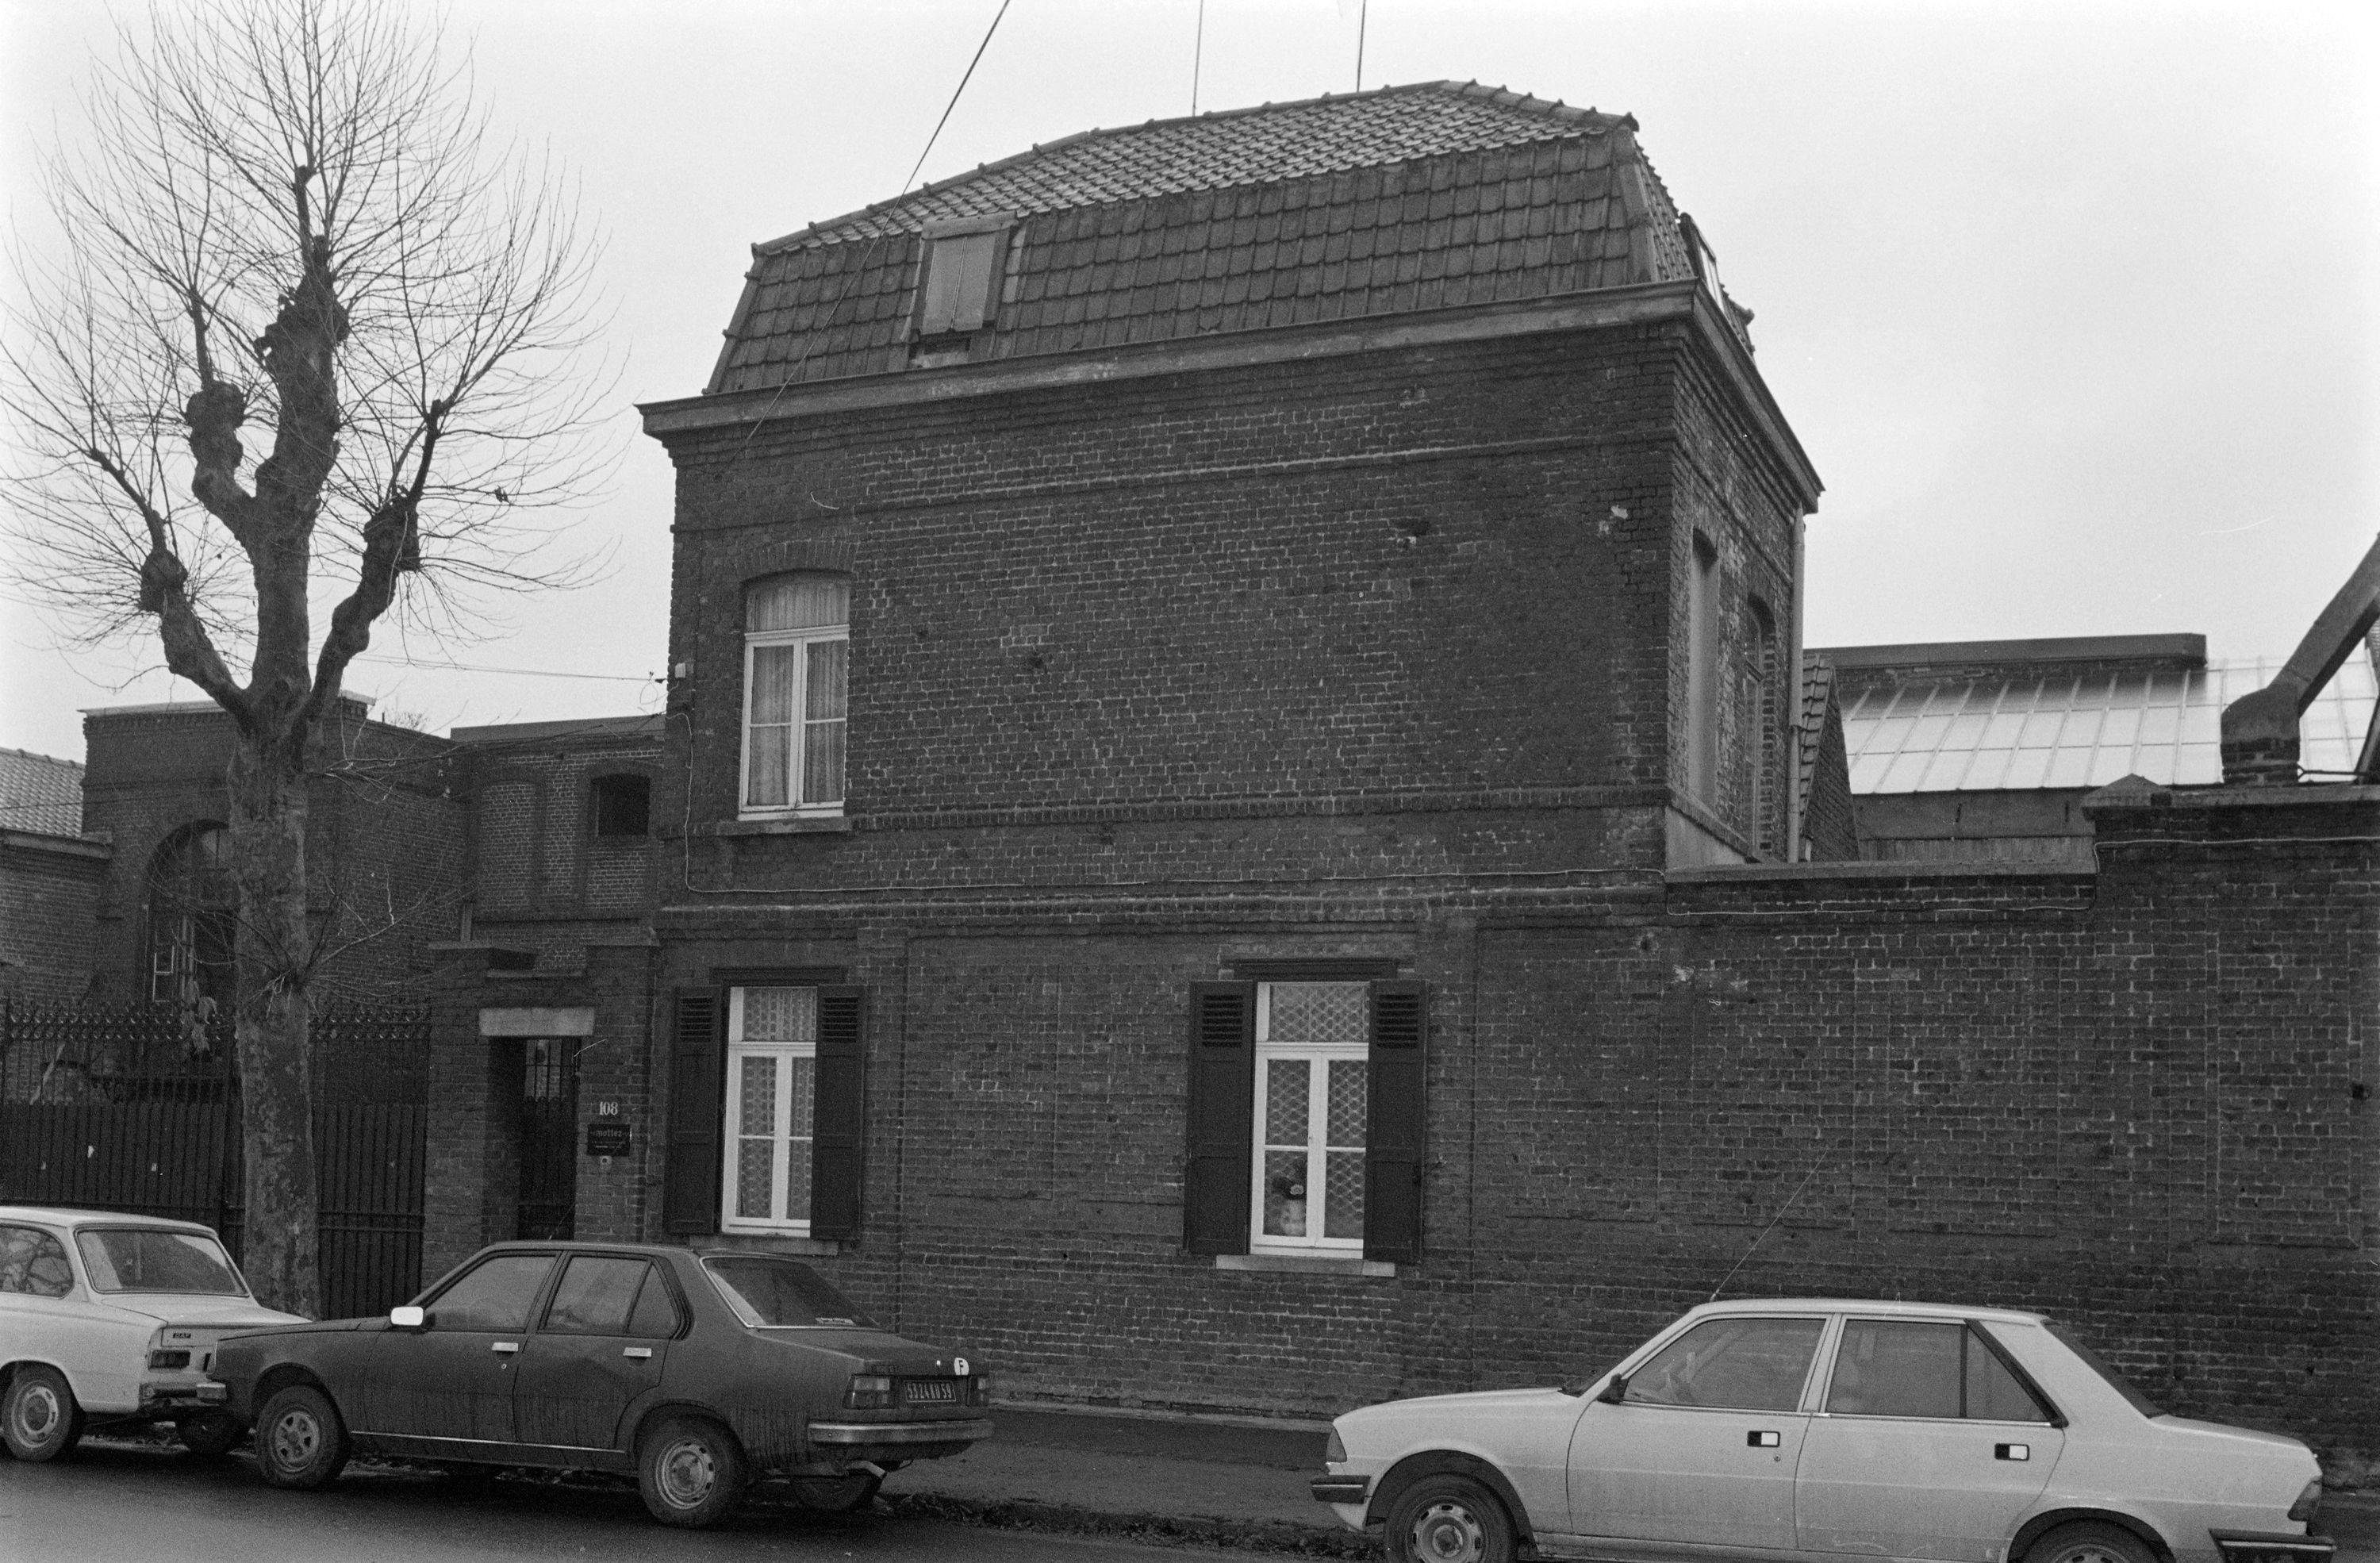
(1335,1451)
(2308,1501)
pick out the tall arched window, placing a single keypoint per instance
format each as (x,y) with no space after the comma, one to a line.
(796,660)
(190,918)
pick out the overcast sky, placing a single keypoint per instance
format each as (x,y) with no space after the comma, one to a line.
(2076,307)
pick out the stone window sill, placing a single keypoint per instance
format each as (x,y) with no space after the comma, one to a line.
(824,824)
(774,1242)
(1305,1264)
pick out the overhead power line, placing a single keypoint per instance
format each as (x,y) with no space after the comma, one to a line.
(518,673)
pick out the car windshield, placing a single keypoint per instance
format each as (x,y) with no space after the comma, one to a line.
(780,1294)
(2106,1370)
(151,1259)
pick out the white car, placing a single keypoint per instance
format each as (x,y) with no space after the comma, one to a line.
(1826,1429)
(107,1318)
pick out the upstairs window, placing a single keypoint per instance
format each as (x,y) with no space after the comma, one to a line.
(797,664)
(623,804)
(960,288)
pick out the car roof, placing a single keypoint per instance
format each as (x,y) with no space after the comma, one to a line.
(580,1245)
(1893,1308)
(57,1216)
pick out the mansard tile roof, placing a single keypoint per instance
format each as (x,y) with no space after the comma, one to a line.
(1404,198)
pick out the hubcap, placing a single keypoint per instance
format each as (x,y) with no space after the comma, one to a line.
(295,1436)
(38,1413)
(687,1473)
(1448,1532)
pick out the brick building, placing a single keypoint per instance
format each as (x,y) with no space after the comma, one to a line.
(1224,828)
(50,875)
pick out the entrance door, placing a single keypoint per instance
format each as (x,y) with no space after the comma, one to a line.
(1703,1446)
(549,1173)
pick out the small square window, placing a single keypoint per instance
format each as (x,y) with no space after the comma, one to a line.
(623,806)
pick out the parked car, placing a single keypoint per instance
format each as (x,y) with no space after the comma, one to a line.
(697,1372)
(1881,1430)
(113,1319)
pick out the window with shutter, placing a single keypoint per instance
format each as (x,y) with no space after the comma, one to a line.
(1306,1119)
(960,289)
(792,1111)
(690,1166)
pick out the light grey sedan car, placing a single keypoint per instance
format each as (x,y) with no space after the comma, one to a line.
(1826,1429)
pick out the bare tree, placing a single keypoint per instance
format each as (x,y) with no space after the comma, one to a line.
(288,224)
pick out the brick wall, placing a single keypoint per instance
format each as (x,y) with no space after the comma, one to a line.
(2138,1099)
(49,892)
(384,839)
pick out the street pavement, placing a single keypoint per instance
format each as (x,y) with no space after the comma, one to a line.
(1057,1485)
(121,1503)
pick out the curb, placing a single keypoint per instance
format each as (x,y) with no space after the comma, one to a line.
(1276,1536)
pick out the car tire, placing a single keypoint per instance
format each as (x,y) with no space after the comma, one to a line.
(300,1442)
(210,1433)
(1451,1520)
(2090,1541)
(690,1471)
(39,1416)
(837,1494)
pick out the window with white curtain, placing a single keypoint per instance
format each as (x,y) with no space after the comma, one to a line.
(1308,1184)
(772,1109)
(796,661)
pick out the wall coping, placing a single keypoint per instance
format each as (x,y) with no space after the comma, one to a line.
(1759,873)
(2119,797)
(60,846)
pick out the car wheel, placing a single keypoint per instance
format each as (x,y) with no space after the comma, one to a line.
(210,1433)
(837,1494)
(39,1415)
(2090,1542)
(690,1471)
(1452,1520)
(300,1442)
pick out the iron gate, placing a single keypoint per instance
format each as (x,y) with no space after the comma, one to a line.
(135,1108)
(549,1165)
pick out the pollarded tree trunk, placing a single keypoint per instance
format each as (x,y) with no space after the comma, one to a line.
(280,1250)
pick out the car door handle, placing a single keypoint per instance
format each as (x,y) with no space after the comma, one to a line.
(1763,1440)
(639,1352)
(507,1347)
(2012,1451)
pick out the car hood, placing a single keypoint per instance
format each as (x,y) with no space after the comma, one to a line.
(198,1308)
(1477,1401)
(905,1357)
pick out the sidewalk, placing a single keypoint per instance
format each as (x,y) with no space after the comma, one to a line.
(1221,1483)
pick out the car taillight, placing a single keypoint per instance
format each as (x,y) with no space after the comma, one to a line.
(1335,1451)
(979,1389)
(870,1391)
(169,1359)
(2308,1501)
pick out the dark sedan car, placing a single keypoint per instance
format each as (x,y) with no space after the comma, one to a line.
(698,1371)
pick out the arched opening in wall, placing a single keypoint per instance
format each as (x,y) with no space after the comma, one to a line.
(1767,713)
(193,924)
(622,804)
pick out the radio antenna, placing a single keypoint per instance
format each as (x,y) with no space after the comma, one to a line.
(1766,1230)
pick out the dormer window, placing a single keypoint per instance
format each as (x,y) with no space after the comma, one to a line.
(958,289)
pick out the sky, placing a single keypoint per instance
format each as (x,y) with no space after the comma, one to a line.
(2074,306)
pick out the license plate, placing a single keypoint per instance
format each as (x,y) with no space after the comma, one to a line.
(917,1390)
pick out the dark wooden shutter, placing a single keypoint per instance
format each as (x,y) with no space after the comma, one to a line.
(1223,1117)
(1393,1143)
(697,1076)
(842,1112)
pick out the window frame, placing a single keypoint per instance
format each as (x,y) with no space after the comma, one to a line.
(797,726)
(735,1051)
(1317,1057)
(604,790)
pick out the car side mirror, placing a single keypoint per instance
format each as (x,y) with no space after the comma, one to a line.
(1616,1392)
(409,1317)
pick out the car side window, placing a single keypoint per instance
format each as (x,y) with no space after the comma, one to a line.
(1740,1364)
(496,1294)
(33,1263)
(1924,1368)
(600,1294)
